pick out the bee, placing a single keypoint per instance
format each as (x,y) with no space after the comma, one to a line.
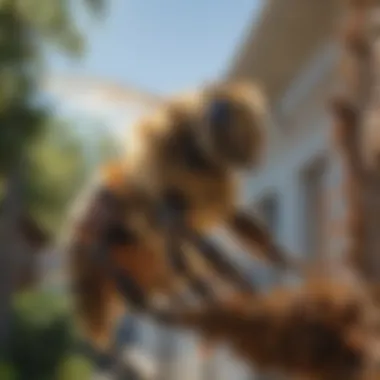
(178,180)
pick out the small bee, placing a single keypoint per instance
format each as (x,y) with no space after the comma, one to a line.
(179,179)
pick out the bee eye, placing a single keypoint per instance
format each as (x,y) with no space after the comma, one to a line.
(219,111)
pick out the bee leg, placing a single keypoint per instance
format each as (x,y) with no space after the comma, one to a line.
(112,234)
(125,284)
(197,284)
(218,260)
(258,240)
(172,213)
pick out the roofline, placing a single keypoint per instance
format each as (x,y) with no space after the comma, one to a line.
(251,33)
(280,41)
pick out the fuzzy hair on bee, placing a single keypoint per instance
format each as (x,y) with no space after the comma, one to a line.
(325,330)
(177,181)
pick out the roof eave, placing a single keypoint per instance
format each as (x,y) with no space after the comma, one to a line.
(284,37)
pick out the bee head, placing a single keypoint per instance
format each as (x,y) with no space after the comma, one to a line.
(233,124)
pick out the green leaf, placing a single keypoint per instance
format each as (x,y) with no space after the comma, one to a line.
(7,371)
(75,367)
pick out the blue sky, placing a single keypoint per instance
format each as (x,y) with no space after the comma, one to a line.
(162,45)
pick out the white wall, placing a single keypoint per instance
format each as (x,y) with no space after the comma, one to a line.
(282,177)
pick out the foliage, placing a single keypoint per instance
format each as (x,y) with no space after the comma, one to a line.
(24,33)
(20,119)
(57,170)
(54,22)
(75,367)
(43,339)
(7,371)
(55,162)
(61,161)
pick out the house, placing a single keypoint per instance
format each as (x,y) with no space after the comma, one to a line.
(291,51)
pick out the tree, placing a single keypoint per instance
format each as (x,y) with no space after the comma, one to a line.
(24,35)
(58,169)
(61,161)
(41,319)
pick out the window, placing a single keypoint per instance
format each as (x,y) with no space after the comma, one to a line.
(312,208)
(269,212)
(268,209)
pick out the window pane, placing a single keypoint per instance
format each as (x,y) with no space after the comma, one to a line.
(268,209)
(313,210)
